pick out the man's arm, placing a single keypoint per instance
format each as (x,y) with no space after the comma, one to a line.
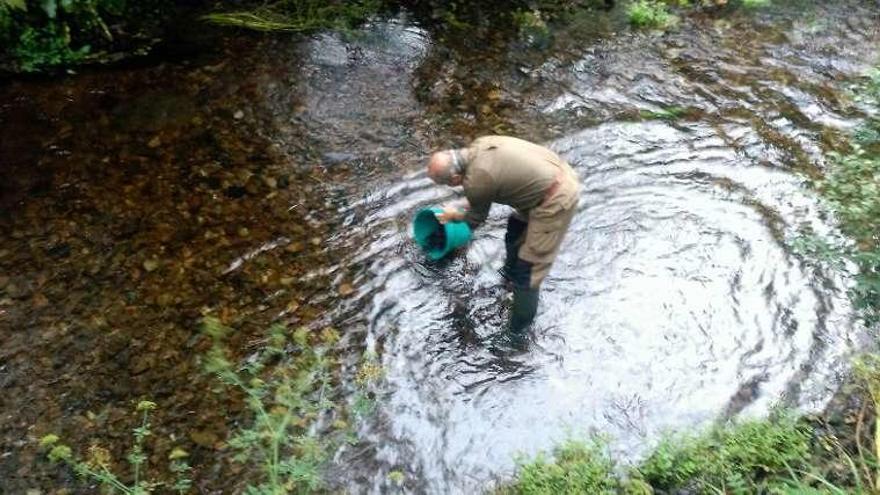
(473,212)
(480,192)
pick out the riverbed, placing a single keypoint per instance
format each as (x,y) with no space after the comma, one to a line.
(273,178)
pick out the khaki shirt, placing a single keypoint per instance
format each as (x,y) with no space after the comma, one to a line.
(507,170)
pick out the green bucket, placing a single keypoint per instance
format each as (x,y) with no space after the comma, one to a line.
(438,239)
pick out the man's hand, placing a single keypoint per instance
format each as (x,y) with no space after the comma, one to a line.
(450,213)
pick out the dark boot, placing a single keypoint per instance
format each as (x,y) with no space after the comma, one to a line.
(513,239)
(525,304)
(523,311)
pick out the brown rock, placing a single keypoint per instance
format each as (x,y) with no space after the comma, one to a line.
(204,438)
(40,301)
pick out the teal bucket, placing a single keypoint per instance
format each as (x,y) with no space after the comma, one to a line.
(425,230)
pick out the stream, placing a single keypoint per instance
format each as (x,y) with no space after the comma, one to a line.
(274,178)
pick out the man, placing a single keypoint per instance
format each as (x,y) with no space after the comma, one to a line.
(540,186)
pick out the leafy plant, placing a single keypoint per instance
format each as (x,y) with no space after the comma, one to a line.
(825,251)
(867,370)
(739,458)
(97,466)
(41,35)
(577,468)
(852,188)
(369,373)
(38,49)
(287,388)
(649,13)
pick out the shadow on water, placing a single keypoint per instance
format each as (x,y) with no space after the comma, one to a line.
(257,183)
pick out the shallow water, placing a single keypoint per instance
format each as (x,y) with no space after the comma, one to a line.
(292,172)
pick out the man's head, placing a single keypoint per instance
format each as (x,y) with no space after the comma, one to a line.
(446,167)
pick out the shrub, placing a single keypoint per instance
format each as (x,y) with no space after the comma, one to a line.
(287,389)
(577,468)
(38,35)
(38,49)
(648,13)
(852,187)
(742,458)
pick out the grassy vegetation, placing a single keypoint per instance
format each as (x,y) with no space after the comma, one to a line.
(293,424)
(649,13)
(299,15)
(287,386)
(851,187)
(669,113)
(746,457)
(779,455)
(577,467)
(656,14)
(97,466)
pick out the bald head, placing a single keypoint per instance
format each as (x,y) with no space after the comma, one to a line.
(446,167)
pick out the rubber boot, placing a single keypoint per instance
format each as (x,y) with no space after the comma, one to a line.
(522,313)
(513,238)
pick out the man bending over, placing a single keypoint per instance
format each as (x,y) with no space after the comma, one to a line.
(540,186)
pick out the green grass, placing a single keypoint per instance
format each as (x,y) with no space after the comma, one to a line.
(39,36)
(668,113)
(299,15)
(649,13)
(753,4)
(577,467)
(739,458)
(746,457)
(778,455)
